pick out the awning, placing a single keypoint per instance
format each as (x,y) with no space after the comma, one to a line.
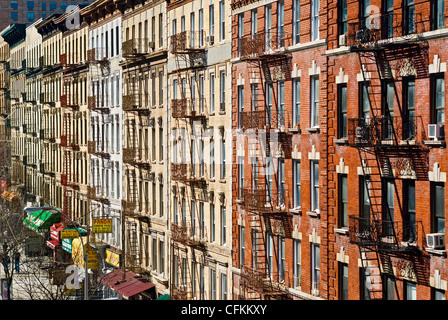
(164,297)
(131,286)
(41,220)
(54,231)
(8,196)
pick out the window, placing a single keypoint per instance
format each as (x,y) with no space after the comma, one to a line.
(409,210)
(388,13)
(223,286)
(242,246)
(314,185)
(388,109)
(175,210)
(193,217)
(30,16)
(296,181)
(240,31)
(223,158)
(388,208)
(314,20)
(269,101)
(409,16)
(281,259)
(223,91)
(253,22)
(63,6)
(343,281)
(160,29)
(438,207)
(240,176)
(222,23)
(410,292)
(201,220)
(281,23)
(364,199)
(254,182)
(281,104)
(296,101)
(212,158)
(201,282)
(438,99)
(52,5)
(437,14)
(364,102)
(437,294)
(270,253)
(30,5)
(281,181)
(14,5)
(240,105)
(342,17)
(343,201)
(297,252)
(389,287)
(342,110)
(212,93)
(223,225)
(211,17)
(201,27)
(268,27)
(364,13)
(212,284)
(296,21)
(314,101)
(212,223)
(409,108)
(254,97)
(315,266)
(14,15)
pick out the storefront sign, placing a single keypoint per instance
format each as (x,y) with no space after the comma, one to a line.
(113,258)
(102,225)
(69,234)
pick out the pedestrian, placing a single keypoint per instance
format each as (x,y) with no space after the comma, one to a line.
(17,260)
(5,262)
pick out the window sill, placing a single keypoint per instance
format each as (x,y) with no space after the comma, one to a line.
(295,130)
(221,112)
(313,214)
(343,230)
(437,252)
(341,141)
(313,130)
(297,210)
(435,143)
(239,201)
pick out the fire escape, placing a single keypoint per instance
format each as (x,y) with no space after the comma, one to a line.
(266,201)
(137,113)
(69,138)
(188,111)
(390,146)
(97,104)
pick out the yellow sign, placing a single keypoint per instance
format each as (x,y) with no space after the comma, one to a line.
(78,254)
(113,258)
(102,225)
(69,234)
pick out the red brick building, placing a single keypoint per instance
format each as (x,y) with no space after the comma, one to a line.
(345,192)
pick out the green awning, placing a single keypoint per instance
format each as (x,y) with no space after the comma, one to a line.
(164,297)
(41,220)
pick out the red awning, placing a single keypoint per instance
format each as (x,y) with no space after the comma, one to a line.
(53,244)
(54,231)
(132,287)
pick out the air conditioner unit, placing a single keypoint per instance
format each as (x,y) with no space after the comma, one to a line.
(436,131)
(435,240)
(210,39)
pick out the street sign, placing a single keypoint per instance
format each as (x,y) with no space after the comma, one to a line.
(69,234)
(102,226)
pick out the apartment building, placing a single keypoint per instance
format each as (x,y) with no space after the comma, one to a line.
(199,79)
(5,110)
(29,11)
(386,80)
(105,120)
(14,35)
(145,133)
